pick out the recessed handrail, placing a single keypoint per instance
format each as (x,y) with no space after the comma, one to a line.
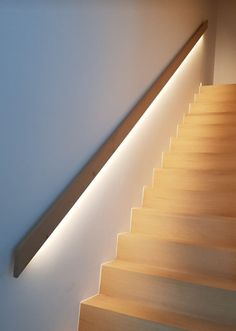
(32,242)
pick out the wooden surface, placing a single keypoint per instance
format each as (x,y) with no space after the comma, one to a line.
(206,108)
(150,221)
(29,246)
(118,314)
(176,268)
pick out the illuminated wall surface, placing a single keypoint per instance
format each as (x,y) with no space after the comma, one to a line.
(69,74)
(119,159)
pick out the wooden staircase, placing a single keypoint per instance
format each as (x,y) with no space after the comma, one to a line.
(176,269)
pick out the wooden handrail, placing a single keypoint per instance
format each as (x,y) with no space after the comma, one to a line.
(30,245)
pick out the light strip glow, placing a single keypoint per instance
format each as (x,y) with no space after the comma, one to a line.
(56,237)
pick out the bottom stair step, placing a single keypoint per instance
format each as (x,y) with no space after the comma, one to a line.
(106,313)
(189,294)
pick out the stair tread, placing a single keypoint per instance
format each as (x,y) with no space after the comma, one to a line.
(215,281)
(148,313)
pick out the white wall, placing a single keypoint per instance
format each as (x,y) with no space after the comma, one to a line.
(225,55)
(70,71)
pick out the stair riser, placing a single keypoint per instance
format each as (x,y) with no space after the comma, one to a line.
(209,108)
(179,202)
(96,319)
(202,147)
(172,228)
(207,131)
(197,181)
(209,120)
(157,193)
(222,162)
(215,97)
(176,256)
(209,303)
(229,88)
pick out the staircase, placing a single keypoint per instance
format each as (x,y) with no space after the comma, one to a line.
(176,269)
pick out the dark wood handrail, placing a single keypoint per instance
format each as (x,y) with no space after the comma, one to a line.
(30,245)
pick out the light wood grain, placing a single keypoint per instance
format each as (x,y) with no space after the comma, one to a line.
(174,290)
(215,97)
(195,180)
(215,131)
(192,228)
(202,161)
(207,108)
(109,313)
(225,88)
(180,255)
(203,145)
(212,118)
